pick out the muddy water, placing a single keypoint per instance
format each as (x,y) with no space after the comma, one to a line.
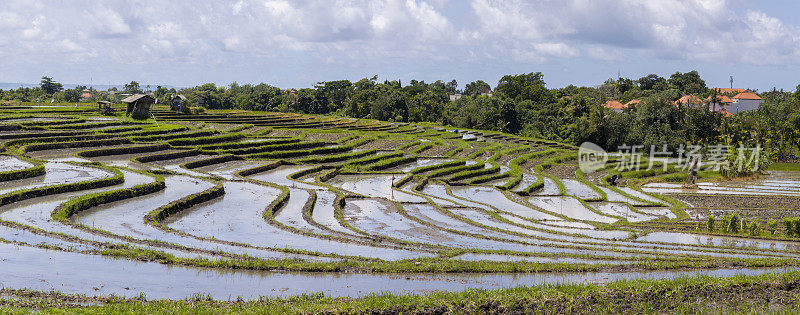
(550,188)
(24,236)
(229,169)
(124,160)
(55,174)
(562,260)
(280,175)
(569,207)
(773,188)
(324,212)
(245,224)
(37,213)
(440,190)
(429,214)
(373,185)
(621,210)
(496,198)
(587,230)
(175,165)
(380,218)
(126,218)
(70,273)
(640,195)
(710,240)
(68,153)
(658,211)
(527,180)
(614,196)
(418,163)
(292,214)
(11,163)
(578,189)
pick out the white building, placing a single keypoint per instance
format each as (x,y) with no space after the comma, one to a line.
(745,102)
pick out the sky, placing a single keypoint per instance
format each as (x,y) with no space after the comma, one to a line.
(298,43)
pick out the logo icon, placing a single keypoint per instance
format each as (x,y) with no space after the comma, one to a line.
(591,157)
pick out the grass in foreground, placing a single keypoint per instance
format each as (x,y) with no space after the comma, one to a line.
(737,295)
(784,167)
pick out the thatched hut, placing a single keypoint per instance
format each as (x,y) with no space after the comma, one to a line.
(138,105)
(178,103)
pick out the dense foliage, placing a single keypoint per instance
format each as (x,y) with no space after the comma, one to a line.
(520,104)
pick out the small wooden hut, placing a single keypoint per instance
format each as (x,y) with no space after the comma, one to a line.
(177,103)
(138,105)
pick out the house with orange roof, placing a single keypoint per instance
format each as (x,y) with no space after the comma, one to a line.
(688,100)
(729,92)
(633,103)
(719,104)
(745,101)
(615,106)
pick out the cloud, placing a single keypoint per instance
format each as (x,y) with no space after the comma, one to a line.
(706,30)
(151,34)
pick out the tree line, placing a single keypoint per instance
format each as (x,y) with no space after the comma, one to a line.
(519,104)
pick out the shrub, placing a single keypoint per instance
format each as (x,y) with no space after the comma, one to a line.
(734,223)
(789,225)
(754,228)
(725,224)
(773,226)
(796,226)
(710,223)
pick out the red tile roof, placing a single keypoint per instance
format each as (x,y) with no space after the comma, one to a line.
(729,91)
(614,105)
(747,96)
(688,99)
(633,103)
(721,99)
(86,95)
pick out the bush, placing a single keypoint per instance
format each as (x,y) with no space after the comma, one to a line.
(796,226)
(754,228)
(710,223)
(734,223)
(773,226)
(789,225)
(725,224)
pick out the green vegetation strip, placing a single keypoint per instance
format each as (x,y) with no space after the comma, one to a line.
(156,216)
(36,170)
(19,195)
(73,206)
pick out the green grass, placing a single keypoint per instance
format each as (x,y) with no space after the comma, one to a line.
(774,294)
(784,167)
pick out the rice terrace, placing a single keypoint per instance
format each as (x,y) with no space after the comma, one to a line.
(400,157)
(238,204)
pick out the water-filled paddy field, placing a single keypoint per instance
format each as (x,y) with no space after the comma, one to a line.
(244,205)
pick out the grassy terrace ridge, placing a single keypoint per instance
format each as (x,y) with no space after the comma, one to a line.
(773,294)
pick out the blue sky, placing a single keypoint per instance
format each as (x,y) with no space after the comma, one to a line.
(297,43)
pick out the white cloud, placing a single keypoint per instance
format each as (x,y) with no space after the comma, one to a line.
(323,32)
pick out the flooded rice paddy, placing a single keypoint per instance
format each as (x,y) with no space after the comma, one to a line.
(324,213)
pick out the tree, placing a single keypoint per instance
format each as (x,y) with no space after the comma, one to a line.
(688,83)
(451,87)
(49,86)
(652,82)
(132,88)
(476,88)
